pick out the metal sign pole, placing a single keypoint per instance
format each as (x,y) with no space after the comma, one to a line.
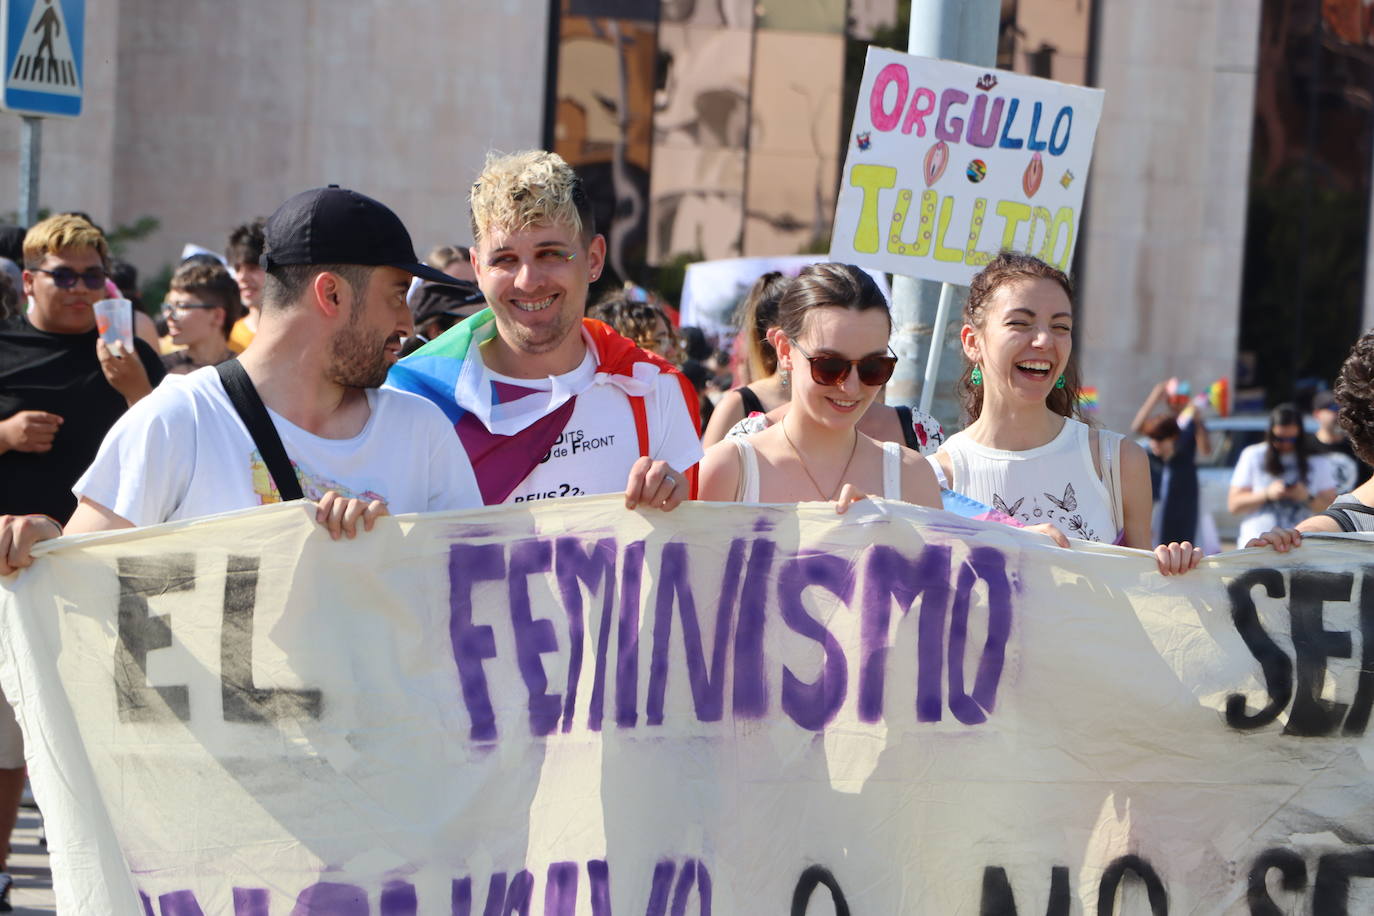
(966,31)
(937,345)
(30,151)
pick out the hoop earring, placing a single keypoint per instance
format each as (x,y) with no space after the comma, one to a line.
(976,376)
(1059,382)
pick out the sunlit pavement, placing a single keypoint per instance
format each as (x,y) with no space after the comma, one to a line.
(28,866)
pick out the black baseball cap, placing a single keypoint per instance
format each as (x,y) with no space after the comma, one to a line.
(458,299)
(334,225)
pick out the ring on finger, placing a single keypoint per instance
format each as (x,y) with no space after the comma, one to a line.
(670,480)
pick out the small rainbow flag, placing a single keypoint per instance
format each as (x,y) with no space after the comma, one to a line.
(1219,396)
(1087,397)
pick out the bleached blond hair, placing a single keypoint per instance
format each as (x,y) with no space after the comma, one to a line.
(518,190)
(63,232)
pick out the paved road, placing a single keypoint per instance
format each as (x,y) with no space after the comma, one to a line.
(28,865)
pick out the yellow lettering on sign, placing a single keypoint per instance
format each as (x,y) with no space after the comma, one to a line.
(924,229)
(872,179)
(972,256)
(1015,213)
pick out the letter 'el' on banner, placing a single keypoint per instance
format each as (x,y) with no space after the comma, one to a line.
(572,709)
(949,164)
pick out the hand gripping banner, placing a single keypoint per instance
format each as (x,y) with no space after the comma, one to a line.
(574,709)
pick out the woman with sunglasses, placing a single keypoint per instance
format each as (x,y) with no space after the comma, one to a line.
(834,326)
(1277,483)
(762,403)
(1024,451)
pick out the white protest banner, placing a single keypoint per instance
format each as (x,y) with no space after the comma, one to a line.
(568,708)
(948,164)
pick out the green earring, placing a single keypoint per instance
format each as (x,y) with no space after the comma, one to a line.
(1059,382)
(976,376)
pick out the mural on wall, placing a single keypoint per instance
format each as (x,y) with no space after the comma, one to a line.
(1046,38)
(607,53)
(796,132)
(706,128)
(701,133)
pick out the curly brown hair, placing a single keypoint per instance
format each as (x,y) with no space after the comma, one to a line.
(641,322)
(1355,397)
(1010,267)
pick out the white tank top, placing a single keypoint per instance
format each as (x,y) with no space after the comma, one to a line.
(1055,482)
(749,463)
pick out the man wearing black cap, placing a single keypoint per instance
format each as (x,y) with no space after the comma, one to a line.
(334,314)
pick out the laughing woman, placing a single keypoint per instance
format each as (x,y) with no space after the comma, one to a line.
(834,329)
(1024,451)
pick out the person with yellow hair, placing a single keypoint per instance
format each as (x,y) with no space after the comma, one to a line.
(61,390)
(547,402)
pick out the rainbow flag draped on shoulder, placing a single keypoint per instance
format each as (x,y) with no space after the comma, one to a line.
(507,428)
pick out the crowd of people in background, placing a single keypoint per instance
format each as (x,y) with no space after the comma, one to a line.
(320,358)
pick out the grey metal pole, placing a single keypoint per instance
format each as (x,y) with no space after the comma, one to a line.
(30,152)
(937,346)
(966,31)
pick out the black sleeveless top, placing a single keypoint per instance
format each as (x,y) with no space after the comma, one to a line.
(751,401)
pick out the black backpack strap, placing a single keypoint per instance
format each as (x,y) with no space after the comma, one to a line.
(908,428)
(245,399)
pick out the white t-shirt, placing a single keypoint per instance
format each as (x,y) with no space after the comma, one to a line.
(1344,471)
(1055,482)
(182,452)
(1250,474)
(599,445)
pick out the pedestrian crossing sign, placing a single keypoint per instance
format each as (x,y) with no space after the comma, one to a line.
(43,42)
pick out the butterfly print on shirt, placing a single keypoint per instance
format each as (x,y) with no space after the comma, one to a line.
(1061,512)
(1000,505)
(1070,501)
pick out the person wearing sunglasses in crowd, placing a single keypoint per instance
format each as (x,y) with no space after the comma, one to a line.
(60,391)
(834,326)
(1278,482)
(201,308)
(1354,402)
(763,403)
(61,388)
(1024,451)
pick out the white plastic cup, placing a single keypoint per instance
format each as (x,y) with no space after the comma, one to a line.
(114,318)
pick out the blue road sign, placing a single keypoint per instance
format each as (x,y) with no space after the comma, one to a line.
(43,41)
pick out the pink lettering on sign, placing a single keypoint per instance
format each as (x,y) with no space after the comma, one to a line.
(922,105)
(883,119)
